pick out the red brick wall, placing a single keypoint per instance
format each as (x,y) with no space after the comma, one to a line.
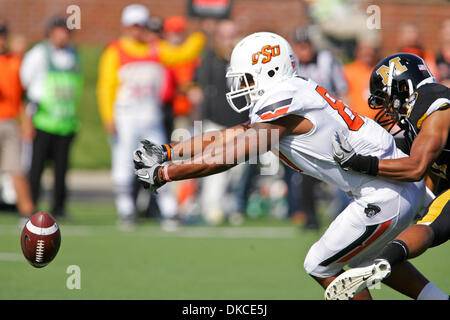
(427,14)
(100,19)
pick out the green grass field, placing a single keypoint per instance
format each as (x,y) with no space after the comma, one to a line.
(262,259)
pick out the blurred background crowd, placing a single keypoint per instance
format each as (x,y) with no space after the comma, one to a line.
(83,98)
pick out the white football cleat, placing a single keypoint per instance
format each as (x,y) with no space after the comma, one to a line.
(352,281)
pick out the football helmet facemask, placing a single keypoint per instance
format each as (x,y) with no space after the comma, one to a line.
(258,62)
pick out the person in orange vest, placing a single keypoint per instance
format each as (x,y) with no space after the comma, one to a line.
(132,87)
(443,57)
(357,74)
(10,110)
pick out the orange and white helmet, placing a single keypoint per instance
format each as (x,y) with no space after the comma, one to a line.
(258,62)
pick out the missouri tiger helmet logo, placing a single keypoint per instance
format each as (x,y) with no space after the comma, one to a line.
(383,71)
(267,52)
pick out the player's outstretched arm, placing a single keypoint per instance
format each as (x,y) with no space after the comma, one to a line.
(221,154)
(426,147)
(228,152)
(189,148)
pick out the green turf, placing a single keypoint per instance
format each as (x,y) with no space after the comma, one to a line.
(218,263)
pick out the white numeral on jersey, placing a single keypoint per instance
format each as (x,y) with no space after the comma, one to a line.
(350,113)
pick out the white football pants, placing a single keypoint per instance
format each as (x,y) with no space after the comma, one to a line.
(366,225)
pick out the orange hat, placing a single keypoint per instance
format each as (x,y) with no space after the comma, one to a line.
(175,23)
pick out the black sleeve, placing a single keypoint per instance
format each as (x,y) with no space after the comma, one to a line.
(422,99)
(402,144)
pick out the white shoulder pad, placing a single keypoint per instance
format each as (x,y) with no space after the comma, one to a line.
(438,104)
(272,107)
(293,96)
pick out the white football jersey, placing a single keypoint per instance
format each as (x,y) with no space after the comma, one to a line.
(312,153)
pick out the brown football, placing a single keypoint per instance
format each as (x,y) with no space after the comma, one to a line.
(40,239)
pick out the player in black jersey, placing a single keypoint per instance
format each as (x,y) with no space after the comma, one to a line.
(411,102)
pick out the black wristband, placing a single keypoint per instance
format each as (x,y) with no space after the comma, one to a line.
(365,164)
(158,178)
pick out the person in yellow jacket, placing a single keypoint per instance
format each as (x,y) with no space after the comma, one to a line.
(132,87)
(175,49)
(181,53)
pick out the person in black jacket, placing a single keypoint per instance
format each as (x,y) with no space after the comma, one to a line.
(213,109)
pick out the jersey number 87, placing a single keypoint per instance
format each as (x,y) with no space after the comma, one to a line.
(351,118)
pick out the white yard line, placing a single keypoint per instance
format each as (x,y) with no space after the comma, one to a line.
(9,256)
(182,232)
(229,232)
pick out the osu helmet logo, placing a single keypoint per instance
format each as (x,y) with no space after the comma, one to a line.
(267,52)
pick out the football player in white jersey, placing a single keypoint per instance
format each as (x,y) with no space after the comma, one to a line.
(303,117)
